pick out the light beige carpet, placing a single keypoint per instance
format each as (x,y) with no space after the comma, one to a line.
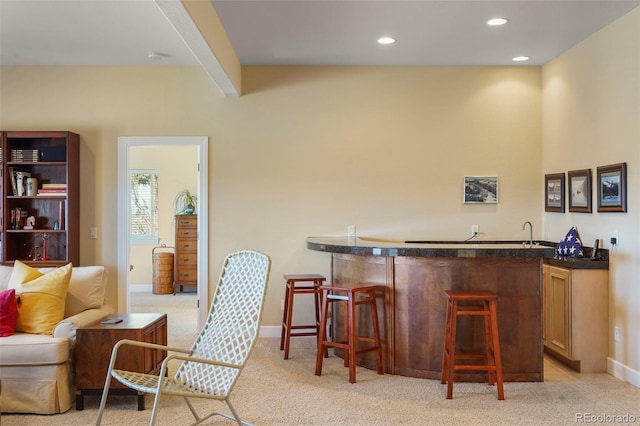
(272,391)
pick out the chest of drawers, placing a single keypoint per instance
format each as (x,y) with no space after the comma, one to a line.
(186,256)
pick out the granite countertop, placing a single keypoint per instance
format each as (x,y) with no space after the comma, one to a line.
(363,246)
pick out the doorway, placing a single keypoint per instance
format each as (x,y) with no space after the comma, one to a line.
(125,147)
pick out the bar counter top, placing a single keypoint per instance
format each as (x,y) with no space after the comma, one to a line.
(365,246)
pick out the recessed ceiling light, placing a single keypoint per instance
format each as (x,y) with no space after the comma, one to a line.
(496,22)
(386,40)
(520,58)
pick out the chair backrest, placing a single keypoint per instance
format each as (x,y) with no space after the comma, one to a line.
(232,324)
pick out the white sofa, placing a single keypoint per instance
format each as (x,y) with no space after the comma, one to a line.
(37,372)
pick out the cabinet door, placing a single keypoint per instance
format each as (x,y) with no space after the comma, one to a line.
(545,303)
(558,312)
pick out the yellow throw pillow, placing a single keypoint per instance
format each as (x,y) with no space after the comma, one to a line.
(42,297)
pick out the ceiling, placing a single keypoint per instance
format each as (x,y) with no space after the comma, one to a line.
(304,32)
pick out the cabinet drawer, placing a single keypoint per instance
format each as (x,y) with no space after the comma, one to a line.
(187,259)
(186,245)
(187,222)
(191,233)
(186,275)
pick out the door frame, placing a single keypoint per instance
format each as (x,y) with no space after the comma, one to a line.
(125,143)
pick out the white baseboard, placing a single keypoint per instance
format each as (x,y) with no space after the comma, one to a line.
(623,372)
(273,331)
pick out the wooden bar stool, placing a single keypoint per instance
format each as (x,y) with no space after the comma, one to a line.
(310,285)
(354,297)
(472,303)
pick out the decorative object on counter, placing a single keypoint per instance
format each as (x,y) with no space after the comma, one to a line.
(480,189)
(554,192)
(612,188)
(580,191)
(185,202)
(570,245)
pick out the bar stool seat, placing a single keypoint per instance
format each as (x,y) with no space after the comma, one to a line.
(472,303)
(299,284)
(354,297)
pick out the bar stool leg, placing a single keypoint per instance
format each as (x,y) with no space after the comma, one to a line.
(488,337)
(285,323)
(452,349)
(351,308)
(376,331)
(446,351)
(496,348)
(289,312)
(322,349)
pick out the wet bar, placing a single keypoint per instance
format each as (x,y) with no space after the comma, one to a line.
(412,277)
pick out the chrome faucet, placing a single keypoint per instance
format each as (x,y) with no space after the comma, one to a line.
(524,225)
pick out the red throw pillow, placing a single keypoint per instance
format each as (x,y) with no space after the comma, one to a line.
(8,312)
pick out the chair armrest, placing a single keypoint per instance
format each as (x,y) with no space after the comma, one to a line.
(67,327)
(173,356)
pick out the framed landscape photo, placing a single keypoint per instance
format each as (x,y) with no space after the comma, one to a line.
(580,191)
(481,189)
(612,188)
(554,192)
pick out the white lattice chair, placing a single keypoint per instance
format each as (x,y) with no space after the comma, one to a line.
(218,355)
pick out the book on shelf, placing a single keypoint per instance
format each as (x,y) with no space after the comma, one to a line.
(12,177)
(25,155)
(54,186)
(21,182)
(58,190)
(51,193)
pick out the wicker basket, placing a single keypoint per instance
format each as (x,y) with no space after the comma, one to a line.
(162,271)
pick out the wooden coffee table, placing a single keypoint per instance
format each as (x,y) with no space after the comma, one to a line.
(93,353)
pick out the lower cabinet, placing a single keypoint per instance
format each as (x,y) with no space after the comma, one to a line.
(576,317)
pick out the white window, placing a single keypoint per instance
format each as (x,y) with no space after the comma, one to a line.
(144,206)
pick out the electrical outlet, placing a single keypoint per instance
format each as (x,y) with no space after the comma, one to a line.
(93,233)
(351,231)
(475,230)
(616,333)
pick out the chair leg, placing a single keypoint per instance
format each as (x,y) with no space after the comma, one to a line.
(445,352)
(452,350)
(284,317)
(289,315)
(352,338)
(322,335)
(496,349)
(488,337)
(376,332)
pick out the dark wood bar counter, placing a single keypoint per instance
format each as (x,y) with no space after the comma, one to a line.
(412,278)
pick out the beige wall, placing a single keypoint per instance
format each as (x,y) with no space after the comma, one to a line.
(591,118)
(307,151)
(173,176)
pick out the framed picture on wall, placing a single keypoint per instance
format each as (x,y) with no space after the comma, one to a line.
(481,189)
(580,191)
(554,192)
(612,188)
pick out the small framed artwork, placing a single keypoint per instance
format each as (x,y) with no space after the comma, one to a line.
(554,192)
(481,189)
(580,191)
(612,188)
